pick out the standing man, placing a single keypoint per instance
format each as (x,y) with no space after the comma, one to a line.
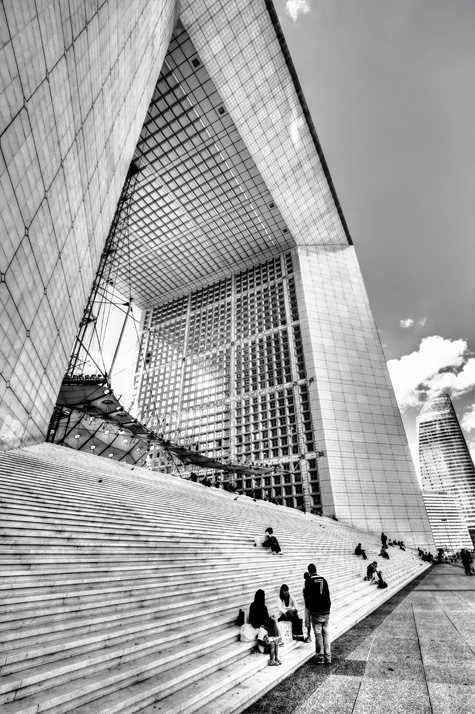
(384,539)
(466,559)
(318,603)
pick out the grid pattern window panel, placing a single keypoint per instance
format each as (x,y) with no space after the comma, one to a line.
(210,327)
(251,410)
(207,378)
(255,277)
(263,363)
(260,310)
(260,434)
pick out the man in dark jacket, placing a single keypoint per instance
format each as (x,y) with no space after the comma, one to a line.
(318,603)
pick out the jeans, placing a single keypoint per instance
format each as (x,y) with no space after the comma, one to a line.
(321,627)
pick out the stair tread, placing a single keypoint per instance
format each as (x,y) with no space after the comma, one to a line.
(107,589)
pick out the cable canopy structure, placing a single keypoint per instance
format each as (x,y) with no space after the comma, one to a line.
(88,415)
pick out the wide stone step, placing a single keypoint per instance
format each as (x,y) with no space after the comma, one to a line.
(189,596)
(63,684)
(122,587)
(231,692)
(29,649)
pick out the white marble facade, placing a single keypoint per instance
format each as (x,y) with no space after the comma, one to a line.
(76,80)
(367,476)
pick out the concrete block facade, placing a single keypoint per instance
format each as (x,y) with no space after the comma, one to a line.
(76,81)
(367,476)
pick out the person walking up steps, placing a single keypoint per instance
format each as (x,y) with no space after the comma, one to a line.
(317,600)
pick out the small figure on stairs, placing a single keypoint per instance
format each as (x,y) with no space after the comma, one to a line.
(371,571)
(360,551)
(270,541)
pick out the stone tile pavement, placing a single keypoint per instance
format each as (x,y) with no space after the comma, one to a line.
(414,655)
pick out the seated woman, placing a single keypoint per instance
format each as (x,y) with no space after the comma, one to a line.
(259,617)
(384,553)
(359,551)
(288,611)
(270,541)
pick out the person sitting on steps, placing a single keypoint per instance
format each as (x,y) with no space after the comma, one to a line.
(384,553)
(260,618)
(289,612)
(360,551)
(371,571)
(270,541)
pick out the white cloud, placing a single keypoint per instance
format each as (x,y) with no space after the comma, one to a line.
(405,324)
(468,419)
(294,8)
(438,366)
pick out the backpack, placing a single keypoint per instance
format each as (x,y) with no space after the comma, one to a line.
(382,584)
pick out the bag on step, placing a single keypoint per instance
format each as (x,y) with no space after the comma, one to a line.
(240,618)
(285,631)
(262,634)
(382,584)
(297,630)
(248,633)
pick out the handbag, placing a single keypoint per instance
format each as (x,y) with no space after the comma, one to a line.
(247,633)
(263,634)
(285,631)
(297,627)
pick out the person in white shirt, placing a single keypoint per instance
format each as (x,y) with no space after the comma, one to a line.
(288,610)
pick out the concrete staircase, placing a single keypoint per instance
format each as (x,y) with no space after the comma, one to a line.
(120,587)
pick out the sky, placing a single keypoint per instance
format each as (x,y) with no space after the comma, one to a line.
(390,85)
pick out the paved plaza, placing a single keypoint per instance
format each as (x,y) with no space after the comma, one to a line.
(414,655)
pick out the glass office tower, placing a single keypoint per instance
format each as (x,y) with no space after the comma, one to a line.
(445,460)
(446,520)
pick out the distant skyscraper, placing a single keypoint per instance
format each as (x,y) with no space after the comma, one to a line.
(446,464)
(448,524)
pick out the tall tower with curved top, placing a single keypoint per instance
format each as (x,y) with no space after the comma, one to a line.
(445,460)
